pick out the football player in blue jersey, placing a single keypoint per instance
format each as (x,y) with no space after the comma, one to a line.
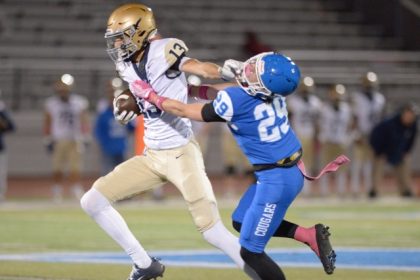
(256,114)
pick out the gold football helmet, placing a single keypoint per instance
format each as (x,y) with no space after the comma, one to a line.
(65,83)
(337,93)
(306,86)
(129,29)
(370,81)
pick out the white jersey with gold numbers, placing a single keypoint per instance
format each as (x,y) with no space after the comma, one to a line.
(304,113)
(162,130)
(368,110)
(66,119)
(335,123)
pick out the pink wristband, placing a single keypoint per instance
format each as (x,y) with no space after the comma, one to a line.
(202,92)
(189,89)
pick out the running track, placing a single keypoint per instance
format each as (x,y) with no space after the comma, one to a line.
(351,258)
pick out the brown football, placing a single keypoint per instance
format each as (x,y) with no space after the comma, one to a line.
(126,102)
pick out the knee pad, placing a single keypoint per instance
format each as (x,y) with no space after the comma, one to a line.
(93,201)
(204,213)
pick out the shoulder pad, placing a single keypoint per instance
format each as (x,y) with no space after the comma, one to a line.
(223,105)
(174,49)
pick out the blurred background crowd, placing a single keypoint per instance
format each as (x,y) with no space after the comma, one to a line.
(359,93)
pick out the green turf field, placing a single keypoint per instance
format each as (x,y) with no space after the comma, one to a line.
(38,228)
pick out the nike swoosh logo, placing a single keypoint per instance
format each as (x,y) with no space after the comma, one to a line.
(179,156)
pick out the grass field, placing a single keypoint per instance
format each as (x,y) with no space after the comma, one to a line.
(34,227)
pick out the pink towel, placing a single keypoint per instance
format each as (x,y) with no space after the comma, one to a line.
(330,167)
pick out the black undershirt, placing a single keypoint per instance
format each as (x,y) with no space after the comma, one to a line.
(209,114)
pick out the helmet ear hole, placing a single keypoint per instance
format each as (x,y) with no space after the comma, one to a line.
(142,33)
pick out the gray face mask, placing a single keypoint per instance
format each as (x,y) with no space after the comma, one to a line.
(120,46)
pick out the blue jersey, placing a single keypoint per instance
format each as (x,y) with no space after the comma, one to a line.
(261,129)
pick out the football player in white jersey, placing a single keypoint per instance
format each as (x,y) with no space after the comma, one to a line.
(335,127)
(304,108)
(6,125)
(368,107)
(172,154)
(66,126)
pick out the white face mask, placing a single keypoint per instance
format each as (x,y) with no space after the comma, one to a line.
(250,77)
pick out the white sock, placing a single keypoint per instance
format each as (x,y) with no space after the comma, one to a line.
(77,190)
(221,238)
(57,192)
(355,177)
(99,208)
(341,183)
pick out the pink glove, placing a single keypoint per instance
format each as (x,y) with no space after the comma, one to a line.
(143,90)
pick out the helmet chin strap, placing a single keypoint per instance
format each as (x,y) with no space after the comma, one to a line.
(266,98)
(138,55)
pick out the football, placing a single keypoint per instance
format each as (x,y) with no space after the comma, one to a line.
(126,102)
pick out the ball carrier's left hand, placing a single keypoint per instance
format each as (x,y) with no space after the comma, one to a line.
(125,107)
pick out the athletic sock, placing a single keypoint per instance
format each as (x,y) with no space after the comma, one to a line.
(286,229)
(99,208)
(57,193)
(307,236)
(222,239)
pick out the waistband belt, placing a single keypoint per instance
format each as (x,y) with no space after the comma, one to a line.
(285,162)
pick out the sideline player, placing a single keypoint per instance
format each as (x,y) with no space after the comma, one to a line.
(256,115)
(172,153)
(368,106)
(304,109)
(335,123)
(66,128)
(6,125)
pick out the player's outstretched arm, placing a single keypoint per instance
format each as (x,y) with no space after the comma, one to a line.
(209,91)
(144,90)
(230,69)
(191,111)
(206,70)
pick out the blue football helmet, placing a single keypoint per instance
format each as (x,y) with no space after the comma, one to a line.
(269,73)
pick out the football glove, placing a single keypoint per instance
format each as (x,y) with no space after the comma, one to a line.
(123,117)
(144,90)
(230,69)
